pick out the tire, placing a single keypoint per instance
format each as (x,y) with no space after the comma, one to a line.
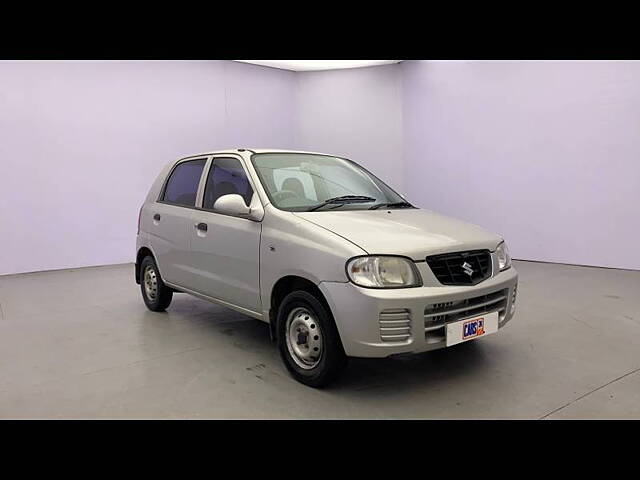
(304,324)
(156,295)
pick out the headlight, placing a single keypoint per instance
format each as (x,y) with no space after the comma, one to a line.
(504,259)
(383,272)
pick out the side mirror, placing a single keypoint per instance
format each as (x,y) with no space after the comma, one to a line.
(233,204)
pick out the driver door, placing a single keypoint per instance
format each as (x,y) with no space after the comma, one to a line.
(225,249)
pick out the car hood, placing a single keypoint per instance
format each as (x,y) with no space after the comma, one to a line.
(414,233)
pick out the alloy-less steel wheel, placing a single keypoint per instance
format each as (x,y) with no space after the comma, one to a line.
(308,340)
(304,338)
(156,295)
(150,283)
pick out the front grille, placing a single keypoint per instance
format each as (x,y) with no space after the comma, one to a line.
(461,268)
(395,325)
(437,315)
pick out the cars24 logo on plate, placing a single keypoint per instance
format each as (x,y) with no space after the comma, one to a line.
(473,328)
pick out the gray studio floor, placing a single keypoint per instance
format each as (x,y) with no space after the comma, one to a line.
(80,344)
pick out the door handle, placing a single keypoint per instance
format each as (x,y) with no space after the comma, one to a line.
(202,226)
(156,217)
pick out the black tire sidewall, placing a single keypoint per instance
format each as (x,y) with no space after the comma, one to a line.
(333,358)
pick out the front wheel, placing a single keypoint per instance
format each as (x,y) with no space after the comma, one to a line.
(308,340)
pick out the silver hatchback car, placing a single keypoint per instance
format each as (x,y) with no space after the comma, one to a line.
(336,262)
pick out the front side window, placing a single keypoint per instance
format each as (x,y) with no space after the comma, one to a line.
(182,186)
(306,182)
(226,176)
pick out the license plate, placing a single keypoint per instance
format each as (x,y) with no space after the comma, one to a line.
(471,328)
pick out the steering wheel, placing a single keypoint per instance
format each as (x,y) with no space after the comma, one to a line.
(283,195)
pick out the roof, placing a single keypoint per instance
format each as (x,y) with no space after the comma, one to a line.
(257,150)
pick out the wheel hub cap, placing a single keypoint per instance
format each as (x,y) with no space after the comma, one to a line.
(304,338)
(150,283)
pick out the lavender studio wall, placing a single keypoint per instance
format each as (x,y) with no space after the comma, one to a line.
(81,142)
(545,153)
(356,113)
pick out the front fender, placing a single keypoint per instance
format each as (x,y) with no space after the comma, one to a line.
(292,246)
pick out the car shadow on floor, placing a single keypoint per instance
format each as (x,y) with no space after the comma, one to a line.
(395,375)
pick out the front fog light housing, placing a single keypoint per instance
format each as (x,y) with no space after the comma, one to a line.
(504,259)
(383,272)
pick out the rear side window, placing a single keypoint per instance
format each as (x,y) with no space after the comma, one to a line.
(182,186)
(226,176)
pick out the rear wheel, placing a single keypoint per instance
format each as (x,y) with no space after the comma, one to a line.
(308,340)
(156,295)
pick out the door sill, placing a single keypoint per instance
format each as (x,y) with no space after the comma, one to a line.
(232,306)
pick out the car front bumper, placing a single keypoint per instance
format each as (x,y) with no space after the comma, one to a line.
(384,322)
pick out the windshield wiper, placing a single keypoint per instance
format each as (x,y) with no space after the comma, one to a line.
(392,204)
(343,200)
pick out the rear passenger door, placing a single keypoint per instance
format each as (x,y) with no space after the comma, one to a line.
(171,221)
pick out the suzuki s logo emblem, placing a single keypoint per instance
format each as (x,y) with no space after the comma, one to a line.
(467,269)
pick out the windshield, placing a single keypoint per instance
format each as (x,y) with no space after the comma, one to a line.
(306,182)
